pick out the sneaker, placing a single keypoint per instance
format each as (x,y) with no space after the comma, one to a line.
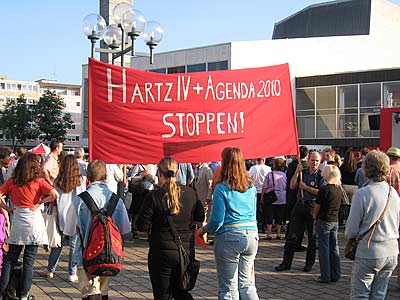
(73,278)
(49,274)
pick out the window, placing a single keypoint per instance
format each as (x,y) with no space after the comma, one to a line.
(19,87)
(78,103)
(370,95)
(161,71)
(175,70)
(2,100)
(326,112)
(305,99)
(76,93)
(391,94)
(219,65)
(73,138)
(196,68)
(2,85)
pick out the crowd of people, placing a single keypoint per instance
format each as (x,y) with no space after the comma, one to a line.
(225,203)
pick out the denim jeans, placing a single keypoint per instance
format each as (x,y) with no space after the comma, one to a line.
(55,255)
(370,277)
(11,258)
(235,252)
(328,250)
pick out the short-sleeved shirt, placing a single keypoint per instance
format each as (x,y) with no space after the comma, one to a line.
(313,180)
(51,165)
(329,198)
(395,177)
(28,195)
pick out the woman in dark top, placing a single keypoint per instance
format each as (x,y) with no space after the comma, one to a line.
(348,168)
(185,208)
(326,217)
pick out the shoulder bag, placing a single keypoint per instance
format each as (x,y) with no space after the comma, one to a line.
(188,269)
(351,245)
(137,186)
(270,197)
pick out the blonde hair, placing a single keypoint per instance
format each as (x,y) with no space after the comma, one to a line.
(168,167)
(233,170)
(331,174)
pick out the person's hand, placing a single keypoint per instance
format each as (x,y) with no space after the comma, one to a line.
(299,168)
(202,231)
(303,186)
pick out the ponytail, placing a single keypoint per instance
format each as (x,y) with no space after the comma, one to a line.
(169,167)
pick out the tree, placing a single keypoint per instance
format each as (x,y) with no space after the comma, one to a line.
(16,121)
(51,121)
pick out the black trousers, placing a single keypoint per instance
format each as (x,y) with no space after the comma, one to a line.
(302,214)
(163,266)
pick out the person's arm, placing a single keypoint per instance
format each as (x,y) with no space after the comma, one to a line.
(209,180)
(53,195)
(189,174)
(218,210)
(146,212)
(293,181)
(47,177)
(355,216)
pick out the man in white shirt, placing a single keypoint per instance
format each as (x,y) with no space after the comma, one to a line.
(114,175)
(258,173)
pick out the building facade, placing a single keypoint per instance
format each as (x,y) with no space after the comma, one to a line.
(344,65)
(71,94)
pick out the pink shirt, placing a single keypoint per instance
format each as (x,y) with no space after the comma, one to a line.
(280,186)
(395,177)
(51,165)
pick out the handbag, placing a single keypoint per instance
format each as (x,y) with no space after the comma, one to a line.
(270,197)
(351,245)
(51,222)
(136,186)
(188,269)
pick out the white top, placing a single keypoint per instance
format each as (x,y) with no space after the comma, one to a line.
(27,228)
(114,175)
(258,173)
(64,202)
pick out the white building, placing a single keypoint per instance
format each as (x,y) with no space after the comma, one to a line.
(71,94)
(344,62)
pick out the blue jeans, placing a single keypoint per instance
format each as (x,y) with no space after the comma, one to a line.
(10,260)
(370,277)
(328,250)
(55,255)
(235,252)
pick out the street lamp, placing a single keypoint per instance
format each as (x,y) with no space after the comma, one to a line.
(129,21)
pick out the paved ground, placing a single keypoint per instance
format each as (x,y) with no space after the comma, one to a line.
(134,282)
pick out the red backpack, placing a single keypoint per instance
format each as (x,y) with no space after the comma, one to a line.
(103,254)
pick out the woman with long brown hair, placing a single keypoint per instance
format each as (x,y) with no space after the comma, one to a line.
(182,204)
(28,190)
(68,184)
(233,221)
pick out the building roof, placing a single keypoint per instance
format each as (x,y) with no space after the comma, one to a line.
(335,18)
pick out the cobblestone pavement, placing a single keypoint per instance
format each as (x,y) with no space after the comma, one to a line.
(134,281)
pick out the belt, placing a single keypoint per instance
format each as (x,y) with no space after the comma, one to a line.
(240,225)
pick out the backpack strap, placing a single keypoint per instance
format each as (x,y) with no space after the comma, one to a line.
(111,205)
(88,200)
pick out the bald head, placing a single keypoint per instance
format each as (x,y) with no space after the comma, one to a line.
(314,159)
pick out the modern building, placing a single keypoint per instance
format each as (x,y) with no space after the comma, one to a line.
(344,62)
(71,94)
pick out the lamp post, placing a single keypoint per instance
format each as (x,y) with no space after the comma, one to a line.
(128,21)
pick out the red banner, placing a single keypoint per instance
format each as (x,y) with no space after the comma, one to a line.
(140,117)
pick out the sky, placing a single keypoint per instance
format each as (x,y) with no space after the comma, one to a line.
(43,38)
